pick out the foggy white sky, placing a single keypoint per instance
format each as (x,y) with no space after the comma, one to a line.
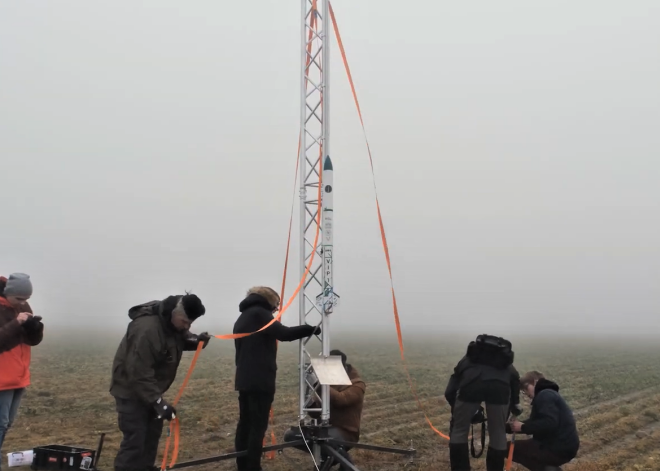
(149,147)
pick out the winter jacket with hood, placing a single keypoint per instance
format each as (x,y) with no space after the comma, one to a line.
(148,356)
(551,421)
(16,342)
(256,354)
(474,382)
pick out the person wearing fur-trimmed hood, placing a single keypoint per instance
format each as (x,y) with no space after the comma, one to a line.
(144,368)
(256,369)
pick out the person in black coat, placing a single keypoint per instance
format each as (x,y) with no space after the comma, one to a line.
(256,369)
(555,439)
(484,375)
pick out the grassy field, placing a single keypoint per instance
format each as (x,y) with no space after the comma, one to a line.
(613,387)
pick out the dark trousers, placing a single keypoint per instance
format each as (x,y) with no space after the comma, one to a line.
(496,414)
(459,452)
(254,409)
(142,431)
(529,454)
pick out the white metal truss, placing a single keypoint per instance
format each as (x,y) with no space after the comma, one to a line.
(314,147)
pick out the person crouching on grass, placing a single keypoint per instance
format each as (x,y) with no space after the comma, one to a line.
(20,330)
(555,439)
(144,368)
(346,403)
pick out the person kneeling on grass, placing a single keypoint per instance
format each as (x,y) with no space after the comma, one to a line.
(346,404)
(555,439)
(144,368)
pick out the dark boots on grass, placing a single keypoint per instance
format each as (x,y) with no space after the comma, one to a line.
(459,458)
(495,459)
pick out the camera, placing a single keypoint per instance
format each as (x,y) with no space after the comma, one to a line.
(479,417)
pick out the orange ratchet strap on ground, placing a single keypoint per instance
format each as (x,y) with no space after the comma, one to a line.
(380,222)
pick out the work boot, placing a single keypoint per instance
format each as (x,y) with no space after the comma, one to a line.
(459,457)
(495,459)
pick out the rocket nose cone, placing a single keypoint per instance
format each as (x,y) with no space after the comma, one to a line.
(327,164)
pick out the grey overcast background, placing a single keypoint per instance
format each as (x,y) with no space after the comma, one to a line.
(148,147)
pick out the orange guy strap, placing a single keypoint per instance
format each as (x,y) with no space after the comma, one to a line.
(271,454)
(175,424)
(380,222)
(302,279)
(313,23)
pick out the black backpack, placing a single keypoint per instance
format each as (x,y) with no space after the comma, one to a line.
(490,350)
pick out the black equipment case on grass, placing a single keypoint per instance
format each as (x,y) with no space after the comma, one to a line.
(62,457)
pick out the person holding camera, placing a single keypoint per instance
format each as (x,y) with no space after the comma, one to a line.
(20,330)
(143,370)
(256,369)
(555,439)
(484,375)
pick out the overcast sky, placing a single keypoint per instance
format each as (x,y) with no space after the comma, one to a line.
(148,147)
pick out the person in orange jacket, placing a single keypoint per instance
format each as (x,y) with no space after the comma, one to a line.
(20,330)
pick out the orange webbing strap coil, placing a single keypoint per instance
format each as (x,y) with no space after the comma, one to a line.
(380,222)
(175,424)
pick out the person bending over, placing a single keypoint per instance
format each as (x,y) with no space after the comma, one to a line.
(143,370)
(555,439)
(256,369)
(346,404)
(485,374)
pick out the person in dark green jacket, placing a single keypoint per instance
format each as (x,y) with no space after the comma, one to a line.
(144,368)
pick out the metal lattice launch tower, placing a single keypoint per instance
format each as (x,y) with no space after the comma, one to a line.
(317,298)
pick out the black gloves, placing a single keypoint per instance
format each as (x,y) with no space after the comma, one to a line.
(516,410)
(316,330)
(164,410)
(204,337)
(194,339)
(33,323)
